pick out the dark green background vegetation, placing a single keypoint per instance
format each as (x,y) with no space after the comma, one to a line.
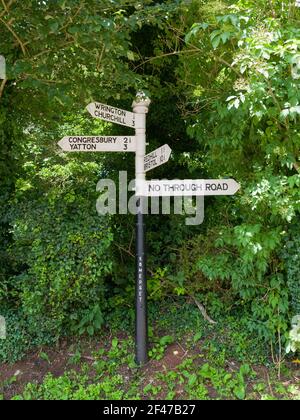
(225,97)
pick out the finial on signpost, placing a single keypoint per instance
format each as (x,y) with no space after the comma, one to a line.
(141,103)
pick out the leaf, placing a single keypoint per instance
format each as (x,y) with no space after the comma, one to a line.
(295,110)
(195,29)
(130,55)
(90,330)
(245,369)
(197,337)
(167,339)
(74,29)
(192,379)
(54,27)
(215,38)
(114,343)
(225,36)
(285,112)
(44,356)
(98,321)
(240,391)
(230,98)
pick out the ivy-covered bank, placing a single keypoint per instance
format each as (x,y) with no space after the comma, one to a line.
(223,77)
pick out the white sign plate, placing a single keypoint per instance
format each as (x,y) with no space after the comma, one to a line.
(98,144)
(157,157)
(114,115)
(187,187)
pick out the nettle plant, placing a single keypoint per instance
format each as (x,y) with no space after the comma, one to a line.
(294,336)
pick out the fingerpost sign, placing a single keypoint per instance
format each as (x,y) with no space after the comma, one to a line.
(153,188)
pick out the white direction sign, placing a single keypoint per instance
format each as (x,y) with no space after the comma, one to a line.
(187,187)
(98,144)
(114,115)
(157,157)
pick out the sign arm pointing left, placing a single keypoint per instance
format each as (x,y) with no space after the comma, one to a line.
(98,144)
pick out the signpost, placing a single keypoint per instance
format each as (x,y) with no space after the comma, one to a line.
(157,157)
(98,144)
(143,164)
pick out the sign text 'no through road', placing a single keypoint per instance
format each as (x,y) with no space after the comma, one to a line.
(188,187)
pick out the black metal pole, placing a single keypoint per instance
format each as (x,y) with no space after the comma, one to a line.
(140,108)
(141,323)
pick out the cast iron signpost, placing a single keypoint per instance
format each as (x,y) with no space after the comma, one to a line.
(143,163)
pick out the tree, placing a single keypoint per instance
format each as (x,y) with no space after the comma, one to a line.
(61,55)
(242,105)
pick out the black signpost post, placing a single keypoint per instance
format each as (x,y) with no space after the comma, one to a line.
(141,323)
(140,107)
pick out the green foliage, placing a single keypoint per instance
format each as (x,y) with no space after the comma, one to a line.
(223,81)
(67,255)
(57,263)
(242,103)
(91,321)
(209,370)
(21,335)
(72,386)
(158,350)
(225,383)
(291,258)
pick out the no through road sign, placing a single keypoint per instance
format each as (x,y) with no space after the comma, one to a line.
(188,187)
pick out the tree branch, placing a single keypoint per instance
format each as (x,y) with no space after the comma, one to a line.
(121,248)
(221,60)
(167,55)
(125,250)
(59,48)
(48,82)
(62,28)
(6,7)
(2,86)
(72,18)
(203,311)
(14,35)
(192,50)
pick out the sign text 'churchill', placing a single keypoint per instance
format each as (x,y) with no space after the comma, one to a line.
(114,115)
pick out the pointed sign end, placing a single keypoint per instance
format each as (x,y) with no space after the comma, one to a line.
(89,108)
(169,151)
(237,186)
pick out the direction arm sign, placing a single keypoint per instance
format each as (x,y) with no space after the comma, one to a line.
(114,115)
(157,157)
(98,144)
(188,187)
